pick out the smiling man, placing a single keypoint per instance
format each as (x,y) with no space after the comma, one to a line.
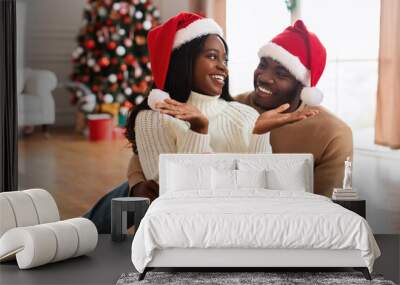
(289,68)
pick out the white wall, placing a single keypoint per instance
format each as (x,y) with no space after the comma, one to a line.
(376,176)
(51,30)
(169,8)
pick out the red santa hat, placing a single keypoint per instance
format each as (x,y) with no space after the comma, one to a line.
(163,39)
(300,52)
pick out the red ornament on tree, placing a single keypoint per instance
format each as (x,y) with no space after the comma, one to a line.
(128,104)
(90,44)
(104,61)
(111,45)
(124,67)
(130,59)
(127,20)
(145,59)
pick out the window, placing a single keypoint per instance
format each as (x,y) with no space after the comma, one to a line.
(248,27)
(350,32)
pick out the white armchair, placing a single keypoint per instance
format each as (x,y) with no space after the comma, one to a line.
(35,101)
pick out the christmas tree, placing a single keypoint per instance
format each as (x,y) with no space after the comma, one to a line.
(111,60)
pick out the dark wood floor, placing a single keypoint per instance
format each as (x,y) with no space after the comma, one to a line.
(75,171)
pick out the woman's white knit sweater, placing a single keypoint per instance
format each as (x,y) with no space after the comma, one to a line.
(229,130)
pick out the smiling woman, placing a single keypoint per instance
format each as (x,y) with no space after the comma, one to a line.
(211,66)
(200,117)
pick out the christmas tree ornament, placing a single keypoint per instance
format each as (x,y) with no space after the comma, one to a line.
(127,20)
(87,103)
(147,25)
(111,45)
(129,59)
(120,51)
(121,32)
(128,105)
(108,98)
(116,6)
(102,12)
(90,44)
(128,91)
(140,40)
(112,78)
(139,15)
(96,68)
(124,9)
(104,61)
(138,71)
(91,62)
(144,59)
(128,42)
(139,99)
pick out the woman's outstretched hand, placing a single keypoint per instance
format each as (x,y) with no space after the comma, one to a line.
(275,118)
(186,112)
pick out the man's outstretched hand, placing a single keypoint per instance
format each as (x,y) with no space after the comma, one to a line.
(276,118)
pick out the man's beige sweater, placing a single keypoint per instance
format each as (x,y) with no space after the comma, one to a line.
(327,137)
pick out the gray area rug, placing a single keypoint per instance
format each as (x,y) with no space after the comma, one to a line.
(273,278)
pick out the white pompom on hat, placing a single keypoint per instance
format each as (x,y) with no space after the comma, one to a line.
(155,96)
(303,55)
(163,39)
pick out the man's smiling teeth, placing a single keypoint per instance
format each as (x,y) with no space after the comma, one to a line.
(264,90)
(219,78)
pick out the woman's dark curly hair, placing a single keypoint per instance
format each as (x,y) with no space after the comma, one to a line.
(178,82)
